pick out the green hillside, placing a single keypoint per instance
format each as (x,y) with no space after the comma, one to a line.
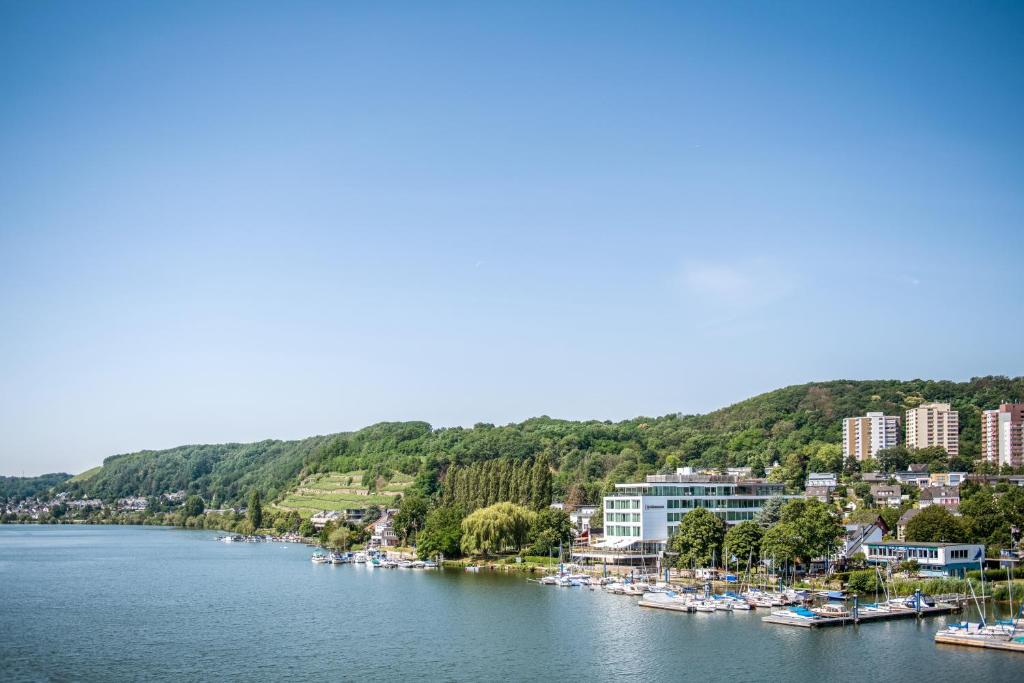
(793,426)
(19,488)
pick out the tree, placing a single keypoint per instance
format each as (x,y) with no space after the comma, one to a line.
(743,542)
(442,533)
(780,544)
(771,512)
(411,515)
(540,492)
(306,528)
(255,512)
(698,541)
(194,506)
(817,528)
(497,528)
(340,538)
(893,459)
(828,457)
(935,524)
(551,529)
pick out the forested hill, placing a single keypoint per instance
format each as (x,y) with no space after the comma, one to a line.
(794,426)
(19,488)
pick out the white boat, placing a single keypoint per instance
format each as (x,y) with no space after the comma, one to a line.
(704,606)
(320,558)
(831,610)
(360,558)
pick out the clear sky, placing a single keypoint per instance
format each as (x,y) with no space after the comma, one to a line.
(234,221)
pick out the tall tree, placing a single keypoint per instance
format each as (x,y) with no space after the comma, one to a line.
(255,512)
(541,484)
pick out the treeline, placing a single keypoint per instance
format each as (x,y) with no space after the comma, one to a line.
(482,484)
(798,426)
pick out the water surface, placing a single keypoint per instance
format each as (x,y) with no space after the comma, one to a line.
(133,603)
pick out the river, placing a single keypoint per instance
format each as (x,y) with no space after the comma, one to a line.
(133,603)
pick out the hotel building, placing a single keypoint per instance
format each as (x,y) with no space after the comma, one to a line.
(934,424)
(1002,435)
(649,512)
(864,436)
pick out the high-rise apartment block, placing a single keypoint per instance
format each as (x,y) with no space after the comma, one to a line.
(934,424)
(1002,435)
(864,436)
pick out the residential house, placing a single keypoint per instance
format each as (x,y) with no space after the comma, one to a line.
(324,517)
(822,493)
(916,474)
(887,495)
(382,531)
(874,477)
(939,495)
(947,478)
(856,535)
(901,525)
(826,479)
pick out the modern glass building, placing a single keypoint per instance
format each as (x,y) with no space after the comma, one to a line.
(650,512)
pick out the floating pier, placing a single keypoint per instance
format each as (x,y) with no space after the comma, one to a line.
(1012,645)
(864,617)
(670,605)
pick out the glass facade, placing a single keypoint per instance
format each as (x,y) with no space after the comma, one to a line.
(663,503)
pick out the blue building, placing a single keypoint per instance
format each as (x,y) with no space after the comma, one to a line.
(940,559)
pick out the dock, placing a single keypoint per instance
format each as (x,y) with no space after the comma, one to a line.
(818,622)
(672,606)
(988,643)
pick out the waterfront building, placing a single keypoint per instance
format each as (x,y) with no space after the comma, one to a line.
(934,424)
(649,512)
(1002,435)
(946,559)
(864,436)
(382,531)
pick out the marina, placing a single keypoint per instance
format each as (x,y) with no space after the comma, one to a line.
(168,576)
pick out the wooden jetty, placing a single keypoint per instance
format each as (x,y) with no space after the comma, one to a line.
(862,618)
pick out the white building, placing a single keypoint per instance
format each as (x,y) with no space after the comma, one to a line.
(864,436)
(649,513)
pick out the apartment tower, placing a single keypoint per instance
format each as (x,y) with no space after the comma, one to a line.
(864,436)
(934,424)
(1002,435)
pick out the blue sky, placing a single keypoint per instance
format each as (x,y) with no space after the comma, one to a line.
(234,221)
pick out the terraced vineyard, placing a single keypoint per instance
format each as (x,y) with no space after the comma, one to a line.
(340,491)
